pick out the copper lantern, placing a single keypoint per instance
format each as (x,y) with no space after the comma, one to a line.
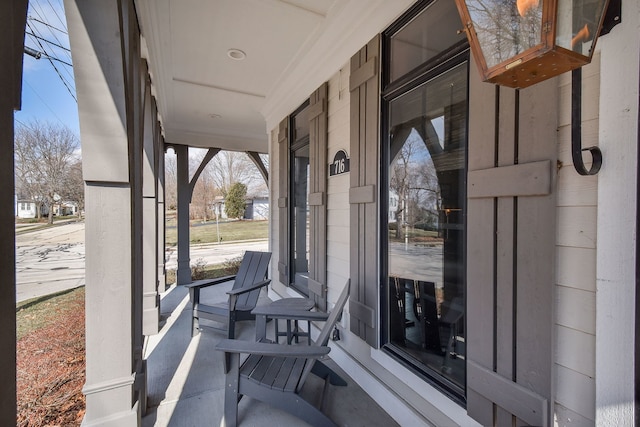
(518,43)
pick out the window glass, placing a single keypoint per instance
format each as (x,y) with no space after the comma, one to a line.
(423,194)
(426,148)
(505,28)
(427,35)
(299,214)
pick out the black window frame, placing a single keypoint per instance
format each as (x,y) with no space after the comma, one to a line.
(456,55)
(294,144)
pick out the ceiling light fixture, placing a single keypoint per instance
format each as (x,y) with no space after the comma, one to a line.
(236,54)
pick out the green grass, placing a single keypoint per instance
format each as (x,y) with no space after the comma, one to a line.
(36,313)
(229,231)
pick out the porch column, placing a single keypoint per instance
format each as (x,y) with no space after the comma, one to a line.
(183,274)
(13,16)
(161,242)
(185,191)
(151,298)
(104,43)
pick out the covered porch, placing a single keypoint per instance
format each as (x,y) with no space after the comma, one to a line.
(157,74)
(186,377)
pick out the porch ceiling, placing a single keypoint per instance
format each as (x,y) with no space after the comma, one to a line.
(207,99)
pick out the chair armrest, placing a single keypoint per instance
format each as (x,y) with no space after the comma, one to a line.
(208,282)
(287,313)
(270,349)
(246,289)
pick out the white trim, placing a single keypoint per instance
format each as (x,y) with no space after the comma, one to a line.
(441,403)
(347,27)
(397,408)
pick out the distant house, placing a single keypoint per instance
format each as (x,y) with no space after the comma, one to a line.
(25,208)
(65,208)
(256,208)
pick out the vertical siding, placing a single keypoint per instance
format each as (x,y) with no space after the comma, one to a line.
(338,187)
(575,288)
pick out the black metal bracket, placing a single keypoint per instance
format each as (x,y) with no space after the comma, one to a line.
(612,18)
(576,129)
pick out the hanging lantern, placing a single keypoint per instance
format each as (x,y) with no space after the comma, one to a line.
(518,43)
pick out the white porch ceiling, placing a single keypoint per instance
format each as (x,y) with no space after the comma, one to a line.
(207,99)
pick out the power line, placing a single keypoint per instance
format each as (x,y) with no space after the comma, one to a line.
(37,54)
(44,102)
(44,19)
(47,41)
(54,66)
(56,13)
(48,25)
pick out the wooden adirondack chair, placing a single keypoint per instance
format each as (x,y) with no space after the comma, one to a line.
(276,373)
(243,297)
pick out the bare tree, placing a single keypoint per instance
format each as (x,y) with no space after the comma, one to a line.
(74,187)
(170,181)
(44,153)
(230,167)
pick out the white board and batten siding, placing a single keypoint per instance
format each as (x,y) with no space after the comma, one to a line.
(575,284)
(338,188)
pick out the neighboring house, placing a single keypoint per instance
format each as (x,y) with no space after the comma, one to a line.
(65,208)
(25,209)
(520,309)
(256,208)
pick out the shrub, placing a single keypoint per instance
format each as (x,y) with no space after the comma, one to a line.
(197,269)
(232,265)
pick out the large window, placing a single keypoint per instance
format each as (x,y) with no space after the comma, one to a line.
(300,181)
(424,152)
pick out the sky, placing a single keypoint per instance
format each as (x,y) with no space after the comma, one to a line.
(44,94)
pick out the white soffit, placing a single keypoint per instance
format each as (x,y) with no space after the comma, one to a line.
(207,98)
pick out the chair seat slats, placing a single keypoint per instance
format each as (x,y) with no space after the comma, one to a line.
(280,373)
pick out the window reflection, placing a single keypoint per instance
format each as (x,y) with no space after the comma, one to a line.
(300,170)
(426,195)
(506,28)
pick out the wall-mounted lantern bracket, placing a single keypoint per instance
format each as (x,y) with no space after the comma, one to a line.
(613,17)
(576,129)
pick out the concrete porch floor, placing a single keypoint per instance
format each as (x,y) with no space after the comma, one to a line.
(185,377)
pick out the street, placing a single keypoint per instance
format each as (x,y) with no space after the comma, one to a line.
(52,260)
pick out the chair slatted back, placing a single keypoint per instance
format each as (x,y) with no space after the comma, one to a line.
(325,333)
(253,269)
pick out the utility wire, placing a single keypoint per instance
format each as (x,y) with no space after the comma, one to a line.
(44,102)
(48,25)
(54,66)
(43,18)
(47,41)
(56,13)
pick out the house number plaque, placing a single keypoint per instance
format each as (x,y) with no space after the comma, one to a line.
(340,163)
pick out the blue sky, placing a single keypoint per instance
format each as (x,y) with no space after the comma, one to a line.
(44,94)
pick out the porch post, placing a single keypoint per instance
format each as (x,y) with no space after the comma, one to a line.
(183,274)
(150,296)
(13,15)
(104,44)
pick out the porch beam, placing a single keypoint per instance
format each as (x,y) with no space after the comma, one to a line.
(255,158)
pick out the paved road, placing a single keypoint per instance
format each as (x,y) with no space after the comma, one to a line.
(49,260)
(52,260)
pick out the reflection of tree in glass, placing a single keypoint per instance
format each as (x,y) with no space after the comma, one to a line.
(505,27)
(413,180)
